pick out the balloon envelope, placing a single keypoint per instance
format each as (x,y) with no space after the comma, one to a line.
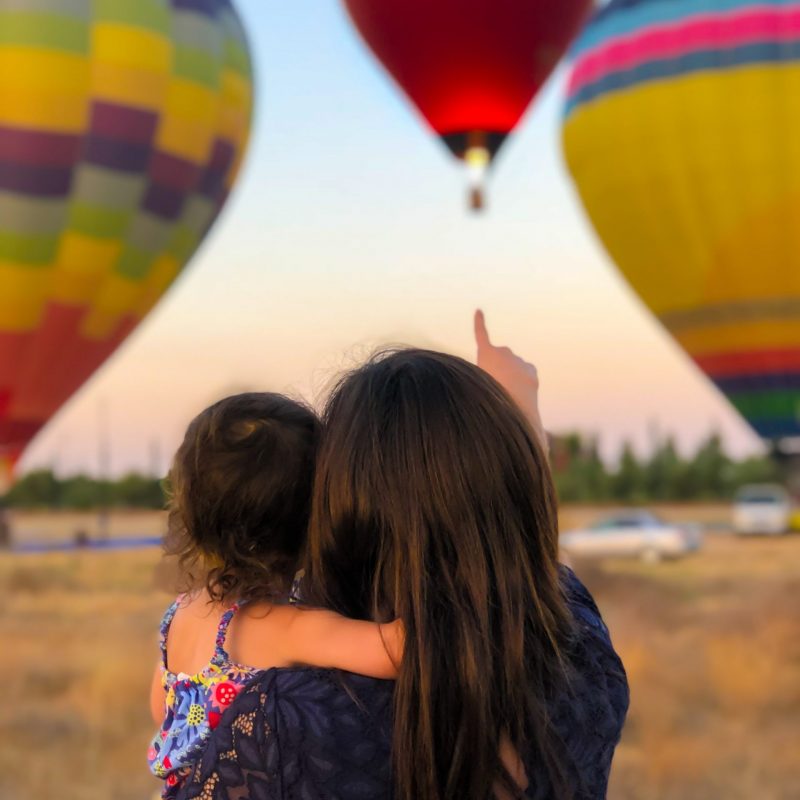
(122,127)
(682,132)
(472,67)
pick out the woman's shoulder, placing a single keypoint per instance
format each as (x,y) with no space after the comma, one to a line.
(580,601)
(591,713)
(590,645)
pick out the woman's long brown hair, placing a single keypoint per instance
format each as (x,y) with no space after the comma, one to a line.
(434,503)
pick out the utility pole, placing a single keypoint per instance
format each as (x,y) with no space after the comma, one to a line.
(103,468)
(156,470)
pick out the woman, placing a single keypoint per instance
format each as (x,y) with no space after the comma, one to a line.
(434,503)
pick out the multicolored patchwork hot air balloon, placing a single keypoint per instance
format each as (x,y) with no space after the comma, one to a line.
(122,127)
(682,132)
(472,67)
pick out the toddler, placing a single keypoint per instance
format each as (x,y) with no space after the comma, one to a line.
(240,494)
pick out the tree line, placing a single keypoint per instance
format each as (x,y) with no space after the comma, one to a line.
(707,474)
(580,473)
(43,489)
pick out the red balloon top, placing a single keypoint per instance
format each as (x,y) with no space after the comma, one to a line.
(469,65)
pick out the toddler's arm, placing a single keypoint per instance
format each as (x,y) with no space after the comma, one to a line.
(158,698)
(324,639)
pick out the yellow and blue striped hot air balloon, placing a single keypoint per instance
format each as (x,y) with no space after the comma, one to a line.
(682,132)
(123,124)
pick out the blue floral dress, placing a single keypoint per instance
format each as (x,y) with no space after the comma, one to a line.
(194,705)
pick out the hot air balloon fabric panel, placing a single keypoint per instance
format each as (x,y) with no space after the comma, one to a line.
(682,131)
(123,124)
(662,40)
(472,67)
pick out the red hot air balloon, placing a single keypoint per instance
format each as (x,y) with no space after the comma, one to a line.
(472,67)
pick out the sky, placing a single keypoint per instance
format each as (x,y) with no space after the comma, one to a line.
(349,230)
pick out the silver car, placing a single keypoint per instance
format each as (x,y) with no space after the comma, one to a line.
(762,508)
(634,533)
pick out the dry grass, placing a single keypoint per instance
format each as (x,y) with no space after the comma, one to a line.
(712,650)
(711,646)
(79,651)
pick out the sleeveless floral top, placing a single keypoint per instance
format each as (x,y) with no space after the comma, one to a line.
(194,705)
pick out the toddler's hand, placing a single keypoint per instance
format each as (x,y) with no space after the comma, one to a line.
(517,376)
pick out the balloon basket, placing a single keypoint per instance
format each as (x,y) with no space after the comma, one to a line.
(477,159)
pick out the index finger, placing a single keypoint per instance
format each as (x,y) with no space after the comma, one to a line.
(481,334)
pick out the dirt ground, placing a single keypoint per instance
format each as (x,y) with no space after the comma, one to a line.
(711,644)
(45,526)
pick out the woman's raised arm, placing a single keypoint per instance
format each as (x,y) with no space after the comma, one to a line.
(518,377)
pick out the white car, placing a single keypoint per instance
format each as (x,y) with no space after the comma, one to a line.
(635,533)
(762,508)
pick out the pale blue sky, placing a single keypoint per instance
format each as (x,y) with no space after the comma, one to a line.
(348,230)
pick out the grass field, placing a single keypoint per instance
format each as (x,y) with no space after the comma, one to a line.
(711,644)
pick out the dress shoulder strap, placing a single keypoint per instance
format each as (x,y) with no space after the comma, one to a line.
(166,621)
(220,653)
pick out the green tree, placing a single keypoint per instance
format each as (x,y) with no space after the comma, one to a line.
(594,475)
(662,474)
(137,491)
(756,469)
(627,484)
(38,489)
(710,475)
(80,493)
(580,474)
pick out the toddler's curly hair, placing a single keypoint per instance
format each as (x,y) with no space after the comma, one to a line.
(240,488)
